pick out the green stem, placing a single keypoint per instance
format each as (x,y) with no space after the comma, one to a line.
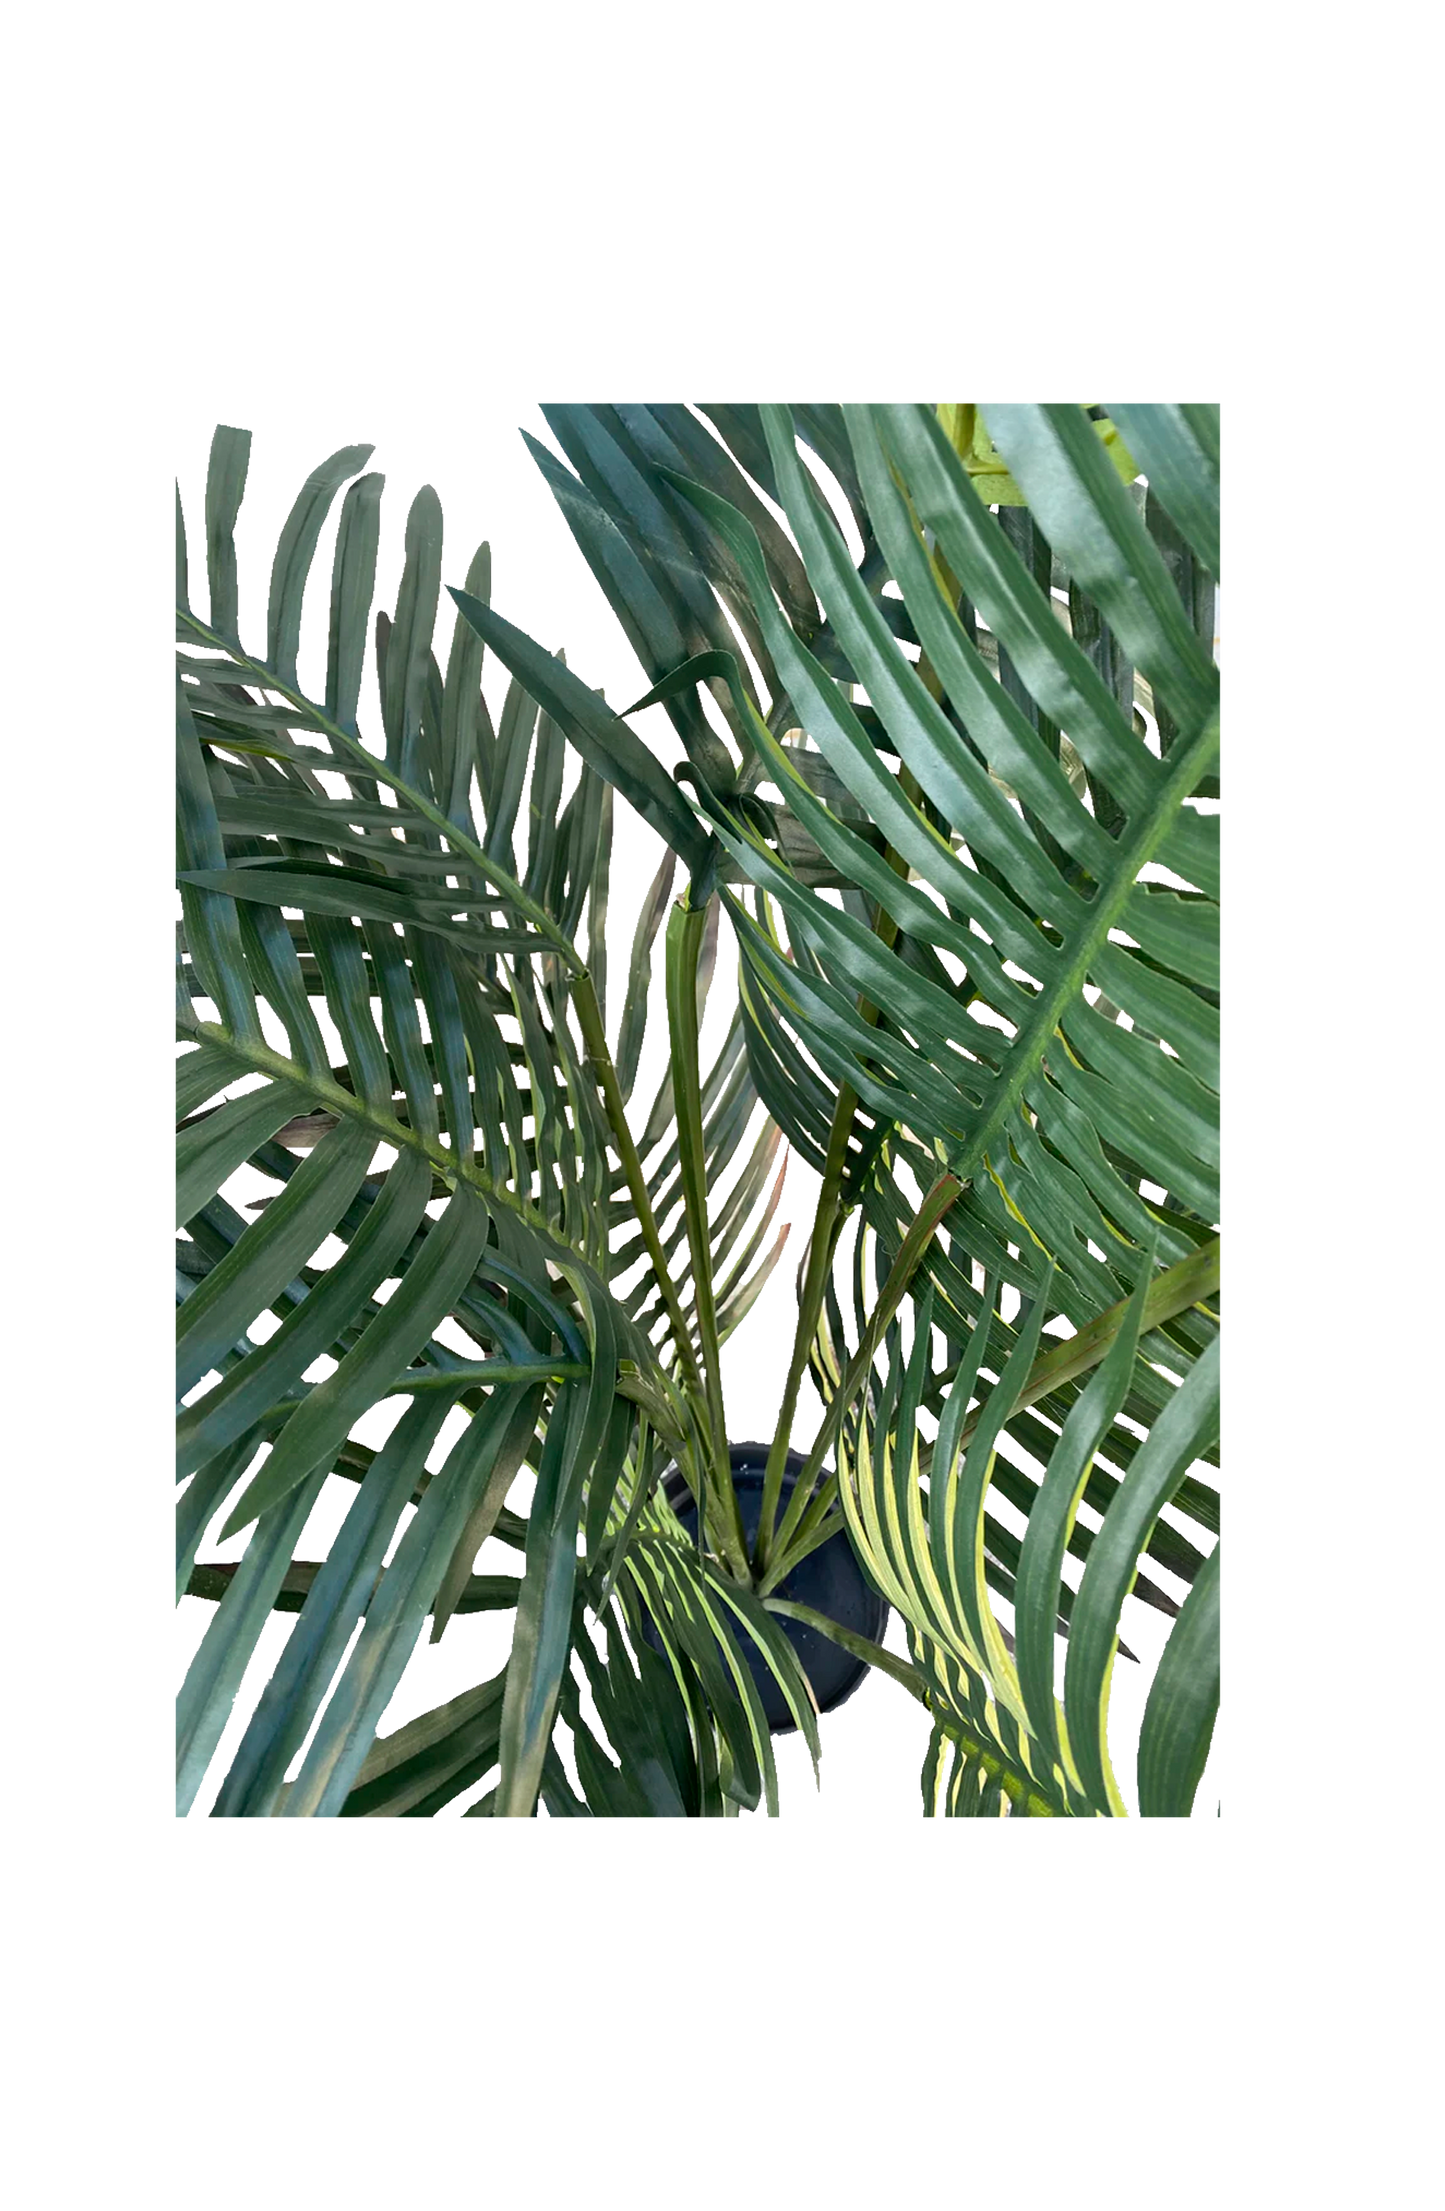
(594,1036)
(818,1526)
(826,1225)
(490,1371)
(810,1305)
(857,1646)
(685,928)
(1179,1288)
(453,1167)
(910,1256)
(604,1069)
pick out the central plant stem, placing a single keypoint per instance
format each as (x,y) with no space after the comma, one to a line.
(703,1396)
(685,929)
(827,1223)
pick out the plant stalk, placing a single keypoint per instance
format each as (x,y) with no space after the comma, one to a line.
(910,1256)
(826,1224)
(594,1036)
(685,929)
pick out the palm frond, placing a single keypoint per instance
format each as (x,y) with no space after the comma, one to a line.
(995,738)
(379,966)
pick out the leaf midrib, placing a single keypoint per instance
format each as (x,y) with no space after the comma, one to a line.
(1186,764)
(453,1169)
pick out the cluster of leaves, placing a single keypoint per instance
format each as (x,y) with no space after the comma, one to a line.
(391,994)
(953,778)
(969,808)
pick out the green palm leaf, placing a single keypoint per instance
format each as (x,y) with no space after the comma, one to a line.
(975,895)
(1009,986)
(368,970)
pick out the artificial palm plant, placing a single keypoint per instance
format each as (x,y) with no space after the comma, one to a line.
(955,790)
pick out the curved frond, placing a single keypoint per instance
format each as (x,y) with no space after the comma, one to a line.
(386,1013)
(970,851)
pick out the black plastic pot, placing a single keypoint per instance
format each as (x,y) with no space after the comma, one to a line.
(829,1580)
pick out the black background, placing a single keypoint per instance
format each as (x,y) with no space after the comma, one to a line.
(491,489)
